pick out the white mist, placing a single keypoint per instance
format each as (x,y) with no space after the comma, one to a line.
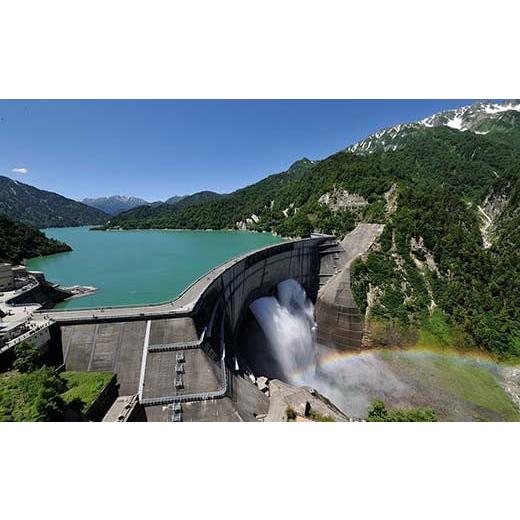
(287,321)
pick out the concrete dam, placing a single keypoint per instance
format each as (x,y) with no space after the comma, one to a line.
(189,359)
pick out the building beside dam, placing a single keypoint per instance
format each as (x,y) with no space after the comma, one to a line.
(187,360)
(19,321)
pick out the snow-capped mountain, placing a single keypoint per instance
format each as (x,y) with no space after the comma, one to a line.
(477,118)
(115,204)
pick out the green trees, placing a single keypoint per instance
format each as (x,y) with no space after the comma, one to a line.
(32,392)
(476,288)
(32,396)
(18,241)
(378,412)
(27,357)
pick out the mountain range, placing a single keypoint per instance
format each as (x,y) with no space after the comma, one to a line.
(157,210)
(115,204)
(481,118)
(41,209)
(209,210)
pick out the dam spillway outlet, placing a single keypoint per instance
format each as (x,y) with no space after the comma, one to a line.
(287,322)
(282,344)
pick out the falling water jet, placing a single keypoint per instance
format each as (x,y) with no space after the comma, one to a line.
(287,321)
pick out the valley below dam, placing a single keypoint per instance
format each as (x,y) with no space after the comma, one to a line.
(457,386)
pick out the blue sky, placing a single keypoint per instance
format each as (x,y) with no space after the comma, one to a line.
(158,148)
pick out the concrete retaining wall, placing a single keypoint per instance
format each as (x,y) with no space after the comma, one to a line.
(98,409)
(46,295)
(340,324)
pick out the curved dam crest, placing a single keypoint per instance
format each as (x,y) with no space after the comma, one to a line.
(140,267)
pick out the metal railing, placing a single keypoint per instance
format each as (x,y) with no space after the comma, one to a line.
(181,345)
(184,398)
(23,337)
(197,396)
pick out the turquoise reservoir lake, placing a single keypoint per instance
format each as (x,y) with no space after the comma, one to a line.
(139,267)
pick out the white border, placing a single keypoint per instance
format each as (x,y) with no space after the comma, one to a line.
(268,49)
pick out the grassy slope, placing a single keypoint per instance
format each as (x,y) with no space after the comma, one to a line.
(32,396)
(452,381)
(85,386)
(41,395)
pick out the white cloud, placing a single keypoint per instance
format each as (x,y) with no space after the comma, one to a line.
(22,171)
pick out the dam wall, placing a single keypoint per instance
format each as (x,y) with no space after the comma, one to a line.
(183,358)
(143,345)
(228,296)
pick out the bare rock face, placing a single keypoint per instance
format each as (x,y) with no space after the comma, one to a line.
(342,199)
(417,246)
(391,200)
(290,403)
(244,226)
(489,212)
(511,383)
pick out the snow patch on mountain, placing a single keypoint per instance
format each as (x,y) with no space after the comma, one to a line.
(468,118)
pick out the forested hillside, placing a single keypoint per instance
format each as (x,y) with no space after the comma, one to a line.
(18,241)
(448,191)
(41,209)
(158,212)
(219,211)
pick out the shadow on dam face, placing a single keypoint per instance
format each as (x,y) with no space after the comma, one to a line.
(278,334)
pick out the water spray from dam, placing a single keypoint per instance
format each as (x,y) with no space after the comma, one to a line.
(353,379)
(287,321)
(288,324)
